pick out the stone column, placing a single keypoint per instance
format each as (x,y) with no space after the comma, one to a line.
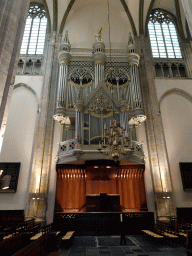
(156,157)
(187,54)
(187,6)
(99,61)
(41,160)
(12,22)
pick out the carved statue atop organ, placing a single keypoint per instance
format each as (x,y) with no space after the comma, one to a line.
(98,92)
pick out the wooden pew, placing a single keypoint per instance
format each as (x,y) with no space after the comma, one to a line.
(189,243)
(11,217)
(11,244)
(40,231)
(41,244)
(56,253)
(55,238)
(152,234)
(14,228)
(155,235)
(67,239)
(170,232)
(37,247)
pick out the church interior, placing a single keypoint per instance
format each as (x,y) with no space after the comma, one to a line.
(96,112)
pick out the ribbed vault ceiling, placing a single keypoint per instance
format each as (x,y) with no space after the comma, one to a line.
(136,11)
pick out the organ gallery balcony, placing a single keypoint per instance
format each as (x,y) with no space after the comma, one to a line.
(71,152)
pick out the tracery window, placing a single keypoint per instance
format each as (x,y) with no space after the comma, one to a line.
(163,35)
(35,30)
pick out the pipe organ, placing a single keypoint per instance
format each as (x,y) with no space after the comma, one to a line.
(96,86)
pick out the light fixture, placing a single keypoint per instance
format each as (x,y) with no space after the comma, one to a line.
(35,196)
(115,140)
(6,181)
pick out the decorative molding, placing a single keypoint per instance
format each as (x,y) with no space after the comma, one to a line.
(105,91)
(176,91)
(48,16)
(179,21)
(55,14)
(147,17)
(65,16)
(28,88)
(129,17)
(141,10)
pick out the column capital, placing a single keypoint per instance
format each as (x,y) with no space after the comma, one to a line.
(64,57)
(59,117)
(137,119)
(133,59)
(99,53)
(99,58)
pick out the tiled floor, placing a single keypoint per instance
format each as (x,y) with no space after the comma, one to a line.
(110,246)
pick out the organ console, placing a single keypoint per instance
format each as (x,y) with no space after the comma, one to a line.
(103,203)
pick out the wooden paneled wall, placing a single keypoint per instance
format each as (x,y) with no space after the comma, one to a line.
(70,190)
(131,188)
(74,183)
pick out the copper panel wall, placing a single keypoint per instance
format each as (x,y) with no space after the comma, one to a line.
(131,188)
(101,180)
(73,184)
(101,186)
(70,189)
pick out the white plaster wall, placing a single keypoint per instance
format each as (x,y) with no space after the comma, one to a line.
(165,84)
(35,82)
(176,113)
(17,144)
(19,136)
(82,25)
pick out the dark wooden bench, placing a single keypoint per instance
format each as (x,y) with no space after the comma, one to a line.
(38,231)
(171,233)
(41,244)
(11,217)
(11,244)
(155,235)
(22,244)
(13,228)
(189,251)
(32,231)
(177,230)
(55,238)
(37,247)
(56,253)
(155,232)
(67,239)
(152,234)
(189,243)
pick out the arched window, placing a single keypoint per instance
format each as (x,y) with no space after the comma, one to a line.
(163,35)
(35,30)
